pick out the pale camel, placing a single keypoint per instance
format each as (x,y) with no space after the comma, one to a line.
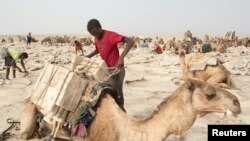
(21,39)
(10,40)
(175,115)
(216,75)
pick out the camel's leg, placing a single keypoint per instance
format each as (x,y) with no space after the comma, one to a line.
(179,138)
(28,120)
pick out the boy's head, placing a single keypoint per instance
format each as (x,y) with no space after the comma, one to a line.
(95,29)
(24,55)
(76,42)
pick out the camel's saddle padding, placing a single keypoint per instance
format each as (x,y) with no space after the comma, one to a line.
(200,61)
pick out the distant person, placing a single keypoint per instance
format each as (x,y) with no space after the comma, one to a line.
(173,42)
(156,43)
(78,47)
(233,36)
(29,39)
(106,44)
(143,43)
(158,49)
(10,56)
(206,45)
(233,39)
(188,34)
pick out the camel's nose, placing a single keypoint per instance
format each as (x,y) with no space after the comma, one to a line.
(236,102)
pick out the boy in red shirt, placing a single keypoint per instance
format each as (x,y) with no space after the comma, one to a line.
(158,49)
(78,47)
(106,44)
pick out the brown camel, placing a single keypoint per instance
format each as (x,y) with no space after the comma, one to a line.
(175,115)
(182,46)
(216,75)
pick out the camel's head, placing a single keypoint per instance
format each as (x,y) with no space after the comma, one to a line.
(206,98)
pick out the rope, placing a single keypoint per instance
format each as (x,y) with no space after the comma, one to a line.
(5,135)
(44,91)
(115,71)
(47,85)
(195,58)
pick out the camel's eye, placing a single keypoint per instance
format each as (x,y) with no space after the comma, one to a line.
(236,102)
(210,95)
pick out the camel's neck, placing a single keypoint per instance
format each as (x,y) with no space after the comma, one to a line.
(173,117)
(182,62)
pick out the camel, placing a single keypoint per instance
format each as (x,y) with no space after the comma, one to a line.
(175,115)
(137,41)
(10,40)
(220,47)
(3,40)
(46,41)
(170,45)
(216,75)
(21,39)
(228,35)
(188,34)
(182,46)
(34,40)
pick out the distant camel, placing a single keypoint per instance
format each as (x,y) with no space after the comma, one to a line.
(10,40)
(216,75)
(175,115)
(3,40)
(21,39)
(86,41)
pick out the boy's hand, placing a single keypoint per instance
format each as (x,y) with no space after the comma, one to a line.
(120,63)
(26,72)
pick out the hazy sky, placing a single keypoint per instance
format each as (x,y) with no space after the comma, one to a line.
(167,17)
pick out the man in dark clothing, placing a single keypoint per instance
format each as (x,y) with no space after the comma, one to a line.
(29,39)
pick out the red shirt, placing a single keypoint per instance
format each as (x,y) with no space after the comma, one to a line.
(78,47)
(159,49)
(107,47)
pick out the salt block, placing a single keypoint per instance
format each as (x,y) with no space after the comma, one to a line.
(101,73)
(71,92)
(76,60)
(55,76)
(49,99)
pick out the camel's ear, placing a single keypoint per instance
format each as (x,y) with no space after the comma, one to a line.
(189,88)
(190,85)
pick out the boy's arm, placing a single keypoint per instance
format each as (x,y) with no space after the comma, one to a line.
(19,69)
(22,63)
(92,53)
(129,43)
(13,64)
